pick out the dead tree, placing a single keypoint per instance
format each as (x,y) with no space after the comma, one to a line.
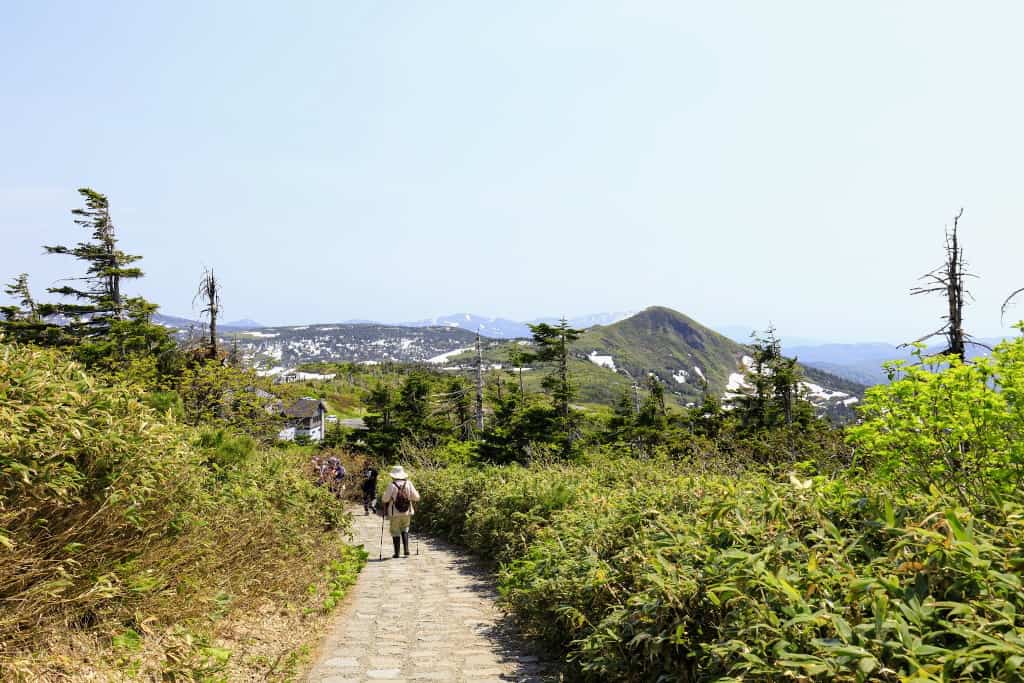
(479,384)
(208,294)
(1009,300)
(948,280)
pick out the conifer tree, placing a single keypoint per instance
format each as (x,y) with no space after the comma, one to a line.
(516,359)
(99,302)
(26,309)
(24,322)
(107,326)
(552,343)
(772,395)
(656,394)
(553,347)
(459,405)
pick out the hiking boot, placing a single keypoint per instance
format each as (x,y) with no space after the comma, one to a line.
(398,542)
(405,542)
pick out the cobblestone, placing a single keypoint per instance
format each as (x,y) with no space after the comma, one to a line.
(427,617)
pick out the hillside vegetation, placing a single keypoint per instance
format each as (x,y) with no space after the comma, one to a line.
(654,572)
(902,564)
(688,359)
(132,545)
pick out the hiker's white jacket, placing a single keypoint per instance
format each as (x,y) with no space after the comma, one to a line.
(391,492)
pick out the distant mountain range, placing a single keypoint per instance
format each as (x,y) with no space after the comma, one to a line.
(504,328)
(607,358)
(860,363)
(185,323)
(863,362)
(491,327)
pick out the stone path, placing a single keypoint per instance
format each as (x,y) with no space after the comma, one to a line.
(428,617)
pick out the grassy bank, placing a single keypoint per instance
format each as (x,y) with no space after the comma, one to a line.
(132,546)
(645,571)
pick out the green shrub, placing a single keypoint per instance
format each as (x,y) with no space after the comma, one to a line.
(648,572)
(225,449)
(115,518)
(950,425)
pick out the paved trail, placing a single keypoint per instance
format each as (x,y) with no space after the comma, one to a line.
(430,617)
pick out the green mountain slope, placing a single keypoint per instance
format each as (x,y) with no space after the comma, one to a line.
(678,350)
(675,348)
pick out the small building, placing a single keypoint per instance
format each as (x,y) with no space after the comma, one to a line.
(304,418)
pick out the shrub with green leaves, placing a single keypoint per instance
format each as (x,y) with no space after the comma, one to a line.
(653,573)
(115,518)
(943,423)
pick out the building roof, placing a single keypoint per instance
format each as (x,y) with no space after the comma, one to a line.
(305,407)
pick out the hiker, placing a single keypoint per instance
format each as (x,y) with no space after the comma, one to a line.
(320,470)
(370,490)
(398,499)
(337,473)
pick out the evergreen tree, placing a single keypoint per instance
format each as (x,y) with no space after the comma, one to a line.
(108,327)
(26,309)
(620,423)
(518,428)
(24,321)
(460,408)
(772,396)
(656,395)
(100,301)
(552,343)
(516,360)
(382,433)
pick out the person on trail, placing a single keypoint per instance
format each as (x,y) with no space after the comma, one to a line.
(320,470)
(370,490)
(398,499)
(337,473)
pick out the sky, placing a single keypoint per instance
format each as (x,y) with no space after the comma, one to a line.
(744,163)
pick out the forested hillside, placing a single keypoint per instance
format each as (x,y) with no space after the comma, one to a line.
(688,360)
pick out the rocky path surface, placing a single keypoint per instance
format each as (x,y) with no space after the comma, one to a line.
(428,617)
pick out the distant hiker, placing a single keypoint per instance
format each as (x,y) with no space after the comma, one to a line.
(370,490)
(398,499)
(320,470)
(337,473)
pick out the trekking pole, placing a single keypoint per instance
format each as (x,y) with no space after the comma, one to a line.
(381,557)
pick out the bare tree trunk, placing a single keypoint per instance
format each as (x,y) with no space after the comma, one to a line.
(948,281)
(209,293)
(479,384)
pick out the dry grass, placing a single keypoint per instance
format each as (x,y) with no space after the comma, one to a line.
(134,547)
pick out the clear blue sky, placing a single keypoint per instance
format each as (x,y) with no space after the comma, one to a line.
(741,162)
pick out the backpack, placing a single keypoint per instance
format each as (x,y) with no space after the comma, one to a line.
(401,501)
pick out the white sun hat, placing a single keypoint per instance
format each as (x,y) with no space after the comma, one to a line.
(398,472)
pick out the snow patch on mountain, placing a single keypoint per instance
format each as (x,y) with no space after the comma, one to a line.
(602,361)
(817,391)
(443,358)
(738,380)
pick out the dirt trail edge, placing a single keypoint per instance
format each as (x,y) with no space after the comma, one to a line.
(427,617)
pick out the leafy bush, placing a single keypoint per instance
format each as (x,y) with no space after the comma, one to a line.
(113,517)
(950,425)
(649,573)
